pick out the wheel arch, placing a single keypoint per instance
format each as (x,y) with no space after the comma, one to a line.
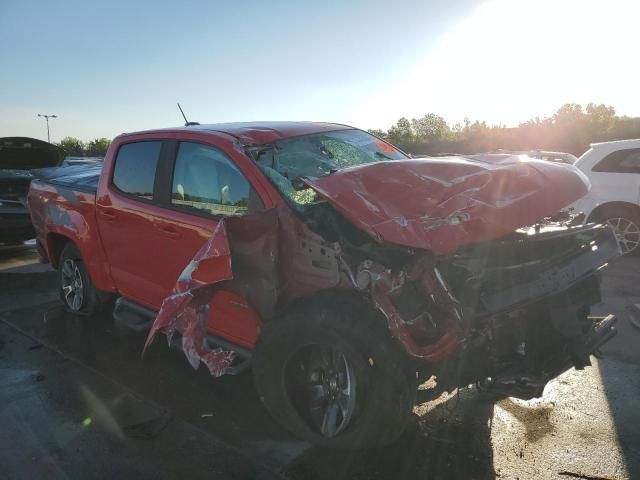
(347,300)
(593,216)
(55,244)
(336,297)
(97,268)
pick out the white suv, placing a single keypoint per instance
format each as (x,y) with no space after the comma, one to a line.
(614,171)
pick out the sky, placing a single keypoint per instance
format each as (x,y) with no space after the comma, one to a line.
(110,67)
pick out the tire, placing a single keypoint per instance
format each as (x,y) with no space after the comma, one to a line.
(625,222)
(77,292)
(290,368)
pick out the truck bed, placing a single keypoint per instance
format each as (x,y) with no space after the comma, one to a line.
(83,178)
(61,202)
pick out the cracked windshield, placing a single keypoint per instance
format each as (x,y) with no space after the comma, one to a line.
(318,156)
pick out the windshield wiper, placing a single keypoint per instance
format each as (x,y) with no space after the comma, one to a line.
(380,154)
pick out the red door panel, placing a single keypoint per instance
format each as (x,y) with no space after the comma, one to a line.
(149,244)
(145,251)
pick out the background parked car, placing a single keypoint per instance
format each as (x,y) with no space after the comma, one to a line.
(561,157)
(18,155)
(73,161)
(614,171)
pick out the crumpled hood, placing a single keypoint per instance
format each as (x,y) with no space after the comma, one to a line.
(445,203)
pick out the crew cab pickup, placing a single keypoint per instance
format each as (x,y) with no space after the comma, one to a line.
(341,271)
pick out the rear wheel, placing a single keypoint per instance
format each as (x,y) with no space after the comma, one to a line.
(77,292)
(333,376)
(625,223)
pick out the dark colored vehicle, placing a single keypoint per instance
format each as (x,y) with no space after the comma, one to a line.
(341,271)
(73,161)
(561,157)
(19,155)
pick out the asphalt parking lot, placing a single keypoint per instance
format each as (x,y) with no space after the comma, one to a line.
(77,401)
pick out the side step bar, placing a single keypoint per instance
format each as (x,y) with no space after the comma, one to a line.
(243,356)
(133,315)
(140,318)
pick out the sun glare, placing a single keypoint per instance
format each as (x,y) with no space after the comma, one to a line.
(511,60)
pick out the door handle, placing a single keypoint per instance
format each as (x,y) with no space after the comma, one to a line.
(108,215)
(169,232)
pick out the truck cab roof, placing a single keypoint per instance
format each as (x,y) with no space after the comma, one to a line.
(258,133)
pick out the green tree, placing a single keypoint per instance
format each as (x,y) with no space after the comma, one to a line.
(569,114)
(73,146)
(431,127)
(97,147)
(570,129)
(600,121)
(401,134)
(377,132)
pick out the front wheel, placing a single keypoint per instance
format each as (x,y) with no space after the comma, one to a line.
(625,223)
(334,377)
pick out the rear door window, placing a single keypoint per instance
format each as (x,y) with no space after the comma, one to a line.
(135,168)
(205,180)
(622,161)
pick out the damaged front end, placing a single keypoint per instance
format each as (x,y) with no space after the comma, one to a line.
(434,246)
(469,292)
(507,315)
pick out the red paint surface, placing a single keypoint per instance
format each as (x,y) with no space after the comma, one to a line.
(385,147)
(186,310)
(444,204)
(124,242)
(259,133)
(55,218)
(163,240)
(231,317)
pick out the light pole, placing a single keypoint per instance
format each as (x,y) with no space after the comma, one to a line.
(47,117)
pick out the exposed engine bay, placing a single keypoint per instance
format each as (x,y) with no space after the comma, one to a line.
(508,315)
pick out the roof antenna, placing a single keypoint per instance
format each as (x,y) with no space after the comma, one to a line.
(187,123)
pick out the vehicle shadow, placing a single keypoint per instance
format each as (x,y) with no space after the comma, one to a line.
(450,438)
(620,368)
(621,384)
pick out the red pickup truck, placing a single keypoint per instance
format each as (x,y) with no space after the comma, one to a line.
(342,271)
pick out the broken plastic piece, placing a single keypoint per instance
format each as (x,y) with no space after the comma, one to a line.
(186,310)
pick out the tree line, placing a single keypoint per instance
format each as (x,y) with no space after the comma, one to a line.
(570,129)
(77,148)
